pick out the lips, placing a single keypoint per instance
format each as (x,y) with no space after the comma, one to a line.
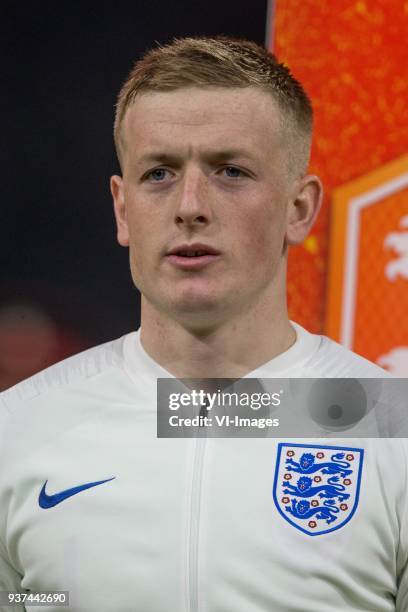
(192,256)
(191,253)
(193,250)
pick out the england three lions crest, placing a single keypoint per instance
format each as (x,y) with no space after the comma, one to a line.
(316,488)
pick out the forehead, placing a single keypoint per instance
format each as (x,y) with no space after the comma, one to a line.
(197,117)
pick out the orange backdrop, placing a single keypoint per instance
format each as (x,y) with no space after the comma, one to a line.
(352,58)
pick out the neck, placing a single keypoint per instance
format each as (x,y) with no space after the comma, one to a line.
(230,349)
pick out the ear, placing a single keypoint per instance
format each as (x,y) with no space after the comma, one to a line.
(303,209)
(119,207)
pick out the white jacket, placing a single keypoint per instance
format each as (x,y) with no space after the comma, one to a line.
(185,525)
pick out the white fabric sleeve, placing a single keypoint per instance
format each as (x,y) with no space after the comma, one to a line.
(10,579)
(402,556)
(402,593)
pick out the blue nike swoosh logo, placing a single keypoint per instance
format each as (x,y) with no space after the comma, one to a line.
(48,501)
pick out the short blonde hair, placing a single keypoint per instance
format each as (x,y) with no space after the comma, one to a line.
(222,62)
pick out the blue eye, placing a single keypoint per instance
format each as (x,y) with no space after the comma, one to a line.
(155,173)
(235,170)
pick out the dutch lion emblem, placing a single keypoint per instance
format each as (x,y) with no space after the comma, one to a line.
(316,488)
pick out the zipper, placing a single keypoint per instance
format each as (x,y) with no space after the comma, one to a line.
(196,489)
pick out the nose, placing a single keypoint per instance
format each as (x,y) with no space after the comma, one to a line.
(193,207)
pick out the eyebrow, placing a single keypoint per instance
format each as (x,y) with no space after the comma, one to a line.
(211,156)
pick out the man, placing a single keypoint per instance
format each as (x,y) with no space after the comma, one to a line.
(213,138)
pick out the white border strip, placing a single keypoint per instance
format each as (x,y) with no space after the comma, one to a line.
(356,205)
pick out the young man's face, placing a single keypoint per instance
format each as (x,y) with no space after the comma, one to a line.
(203,167)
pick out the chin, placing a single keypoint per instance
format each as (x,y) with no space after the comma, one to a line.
(195,304)
(192,307)
(196,310)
